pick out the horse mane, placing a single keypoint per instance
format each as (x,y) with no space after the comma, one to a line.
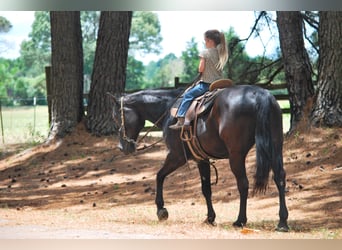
(152,96)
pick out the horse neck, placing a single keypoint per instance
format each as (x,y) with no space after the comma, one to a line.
(150,111)
(153,112)
(153,105)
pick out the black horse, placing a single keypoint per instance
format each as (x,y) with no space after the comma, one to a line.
(241,116)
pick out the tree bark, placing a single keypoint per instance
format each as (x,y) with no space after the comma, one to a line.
(109,73)
(327,109)
(66,72)
(296,65)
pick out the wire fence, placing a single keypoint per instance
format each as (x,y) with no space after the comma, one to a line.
(23,120)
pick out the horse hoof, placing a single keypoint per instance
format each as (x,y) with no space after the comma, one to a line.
(239,224)
(283,229)
(162,214)
(210,222)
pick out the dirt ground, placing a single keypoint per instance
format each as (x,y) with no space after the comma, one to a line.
(84,187)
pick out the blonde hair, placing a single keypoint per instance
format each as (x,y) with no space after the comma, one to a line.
(221,45)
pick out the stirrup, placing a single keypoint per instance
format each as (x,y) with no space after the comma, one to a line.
(175,126)
(179,124)
(186,133)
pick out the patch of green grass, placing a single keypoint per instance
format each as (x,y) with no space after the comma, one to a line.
(286,116)
(286,122)
(284,104)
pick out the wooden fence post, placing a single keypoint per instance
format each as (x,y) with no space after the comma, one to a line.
(176,82)
(48,89)
(2,124)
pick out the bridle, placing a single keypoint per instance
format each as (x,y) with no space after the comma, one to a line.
(122,126)
(123,129)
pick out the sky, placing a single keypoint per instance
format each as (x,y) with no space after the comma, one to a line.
(177,28)
(21,26)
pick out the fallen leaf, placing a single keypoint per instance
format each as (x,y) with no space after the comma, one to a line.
(246,230)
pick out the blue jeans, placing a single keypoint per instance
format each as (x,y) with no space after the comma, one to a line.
(191,94)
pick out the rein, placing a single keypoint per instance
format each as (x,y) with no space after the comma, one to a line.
(154,126)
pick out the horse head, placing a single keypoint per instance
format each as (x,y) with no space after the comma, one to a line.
(130,111)
(127,123)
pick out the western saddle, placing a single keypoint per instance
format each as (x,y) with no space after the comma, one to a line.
(199,106)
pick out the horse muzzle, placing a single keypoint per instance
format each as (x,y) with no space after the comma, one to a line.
(127,148)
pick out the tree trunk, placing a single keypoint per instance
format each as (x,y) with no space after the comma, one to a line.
(327,109)
(66,72)
(296,65)
(109,73)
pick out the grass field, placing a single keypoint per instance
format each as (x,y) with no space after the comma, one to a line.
(30,124)
(26,124)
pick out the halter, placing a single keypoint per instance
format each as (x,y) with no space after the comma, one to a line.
(123,129)
(122,126)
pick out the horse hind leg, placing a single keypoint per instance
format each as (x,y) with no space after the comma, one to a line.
(279,179)
(237,165)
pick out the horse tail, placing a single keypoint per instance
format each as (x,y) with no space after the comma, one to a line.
(267,136)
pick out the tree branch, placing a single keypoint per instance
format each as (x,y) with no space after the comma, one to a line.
(310,20)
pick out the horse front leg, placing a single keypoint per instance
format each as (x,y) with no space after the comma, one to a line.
(162,212)
(204,169)
(170,165)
